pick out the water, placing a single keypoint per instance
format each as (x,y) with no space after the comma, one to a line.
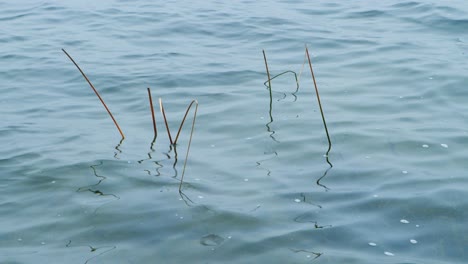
(392,79)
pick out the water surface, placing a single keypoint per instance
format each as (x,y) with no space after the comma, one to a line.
(258,188)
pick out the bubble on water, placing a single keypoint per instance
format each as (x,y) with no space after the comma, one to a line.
(372,244)
(229,237)
(200,197)
(262,117)
(404,221)
(212,145)
(430,78)
(444,145)
(376,195)
(129,162)
(197,179)
(425,146)
(308,256)
(389,254)
(368,157)
(181,217)
(404,172)
(417,225)
(249,138)
(297,200)
(52,182)
(413,241)
(401,97)
(20,239)
(42,243)
(246,180)
(211,240)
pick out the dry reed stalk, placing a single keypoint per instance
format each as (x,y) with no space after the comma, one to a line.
(268,72)
(190,139)
(318,99)
(152,114)
(174,142)
(278,75)
(161,107)
(178,133)
(96,92)
(185,116)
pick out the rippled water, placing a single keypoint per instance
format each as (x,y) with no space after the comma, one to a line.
(392,77)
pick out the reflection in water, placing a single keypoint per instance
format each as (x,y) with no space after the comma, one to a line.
(270,112)
(93,249)
(255,209)
(272,132)
(117,148)
(271,108)
(316,254)
(211,240)
(149,158)
(259,163)
(159,164)
(185,198)
(173,147)
(91,188)
(305,200)
(325,173)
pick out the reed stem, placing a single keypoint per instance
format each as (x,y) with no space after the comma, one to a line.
(161,106)
(318,99)
(268,72)
(183,120)
(152,114)
(190,140)
(96,92)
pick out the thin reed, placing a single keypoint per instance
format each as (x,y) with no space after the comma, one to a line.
(268,71)
(318,99)
(152,114)
(278,75)
(190,139)
(163,112)
(96,92)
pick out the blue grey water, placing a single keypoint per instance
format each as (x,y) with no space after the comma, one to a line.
(392,77)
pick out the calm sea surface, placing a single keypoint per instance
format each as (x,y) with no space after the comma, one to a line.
(392,77)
